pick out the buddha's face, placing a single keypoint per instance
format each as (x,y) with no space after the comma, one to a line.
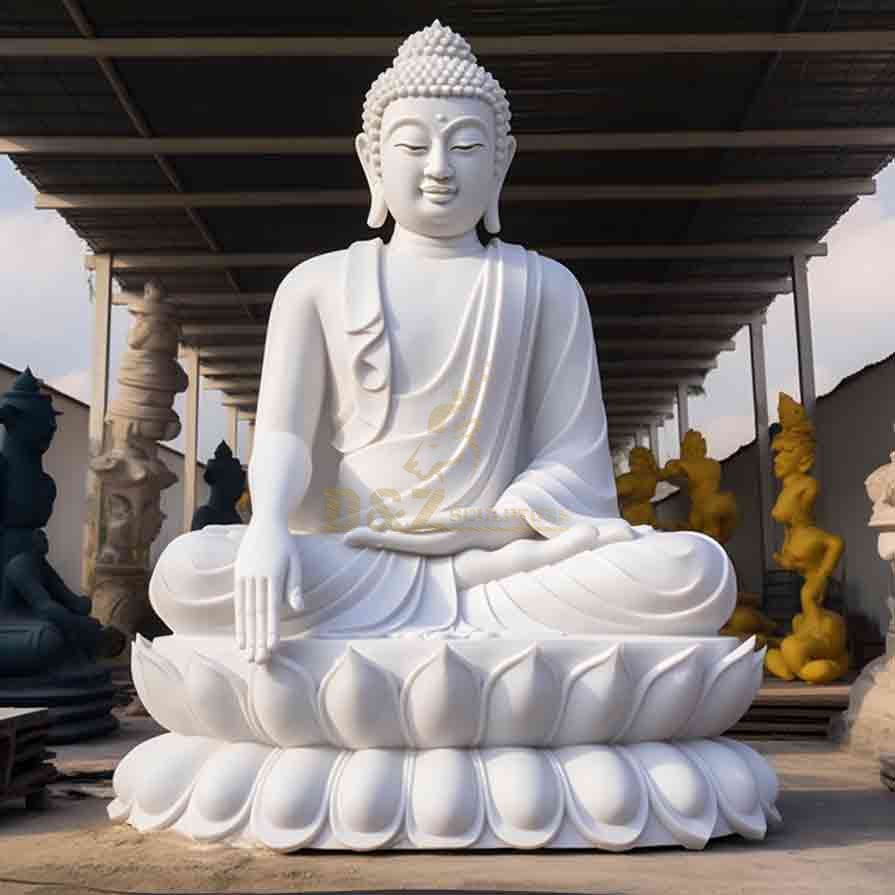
(438,173)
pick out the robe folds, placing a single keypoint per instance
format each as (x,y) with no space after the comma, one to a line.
(509,430)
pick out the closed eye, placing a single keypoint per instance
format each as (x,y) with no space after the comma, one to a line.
(411,147)
(467,147)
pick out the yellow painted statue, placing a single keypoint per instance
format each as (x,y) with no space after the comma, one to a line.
(816,651)
(636,488)
(712,511)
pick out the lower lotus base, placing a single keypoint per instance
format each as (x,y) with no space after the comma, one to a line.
(607,797)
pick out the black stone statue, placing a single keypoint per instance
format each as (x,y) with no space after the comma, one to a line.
(49,643)
(227,480)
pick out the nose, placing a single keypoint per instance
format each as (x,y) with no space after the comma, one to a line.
(438,165)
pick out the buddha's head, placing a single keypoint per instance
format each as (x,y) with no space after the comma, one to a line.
(693,446)
(28,414)
(436,144)
(794,445)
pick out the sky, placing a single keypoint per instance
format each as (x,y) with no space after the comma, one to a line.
(47,316)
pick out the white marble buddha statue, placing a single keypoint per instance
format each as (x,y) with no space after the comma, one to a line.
(431,452)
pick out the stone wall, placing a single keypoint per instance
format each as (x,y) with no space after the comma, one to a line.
(854,436)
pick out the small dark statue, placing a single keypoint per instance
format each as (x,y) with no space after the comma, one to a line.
(49,644)
(227,480)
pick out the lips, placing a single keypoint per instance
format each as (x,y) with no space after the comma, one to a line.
(438,193)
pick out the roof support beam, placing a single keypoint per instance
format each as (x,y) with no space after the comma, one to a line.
(226,352)
(665,346)
(206,300)
(236,385)
(230,371)
(724,287)
(202,47)
(639,416)
(134,263)
(722,322)
(614,411)
(611,378)
(658,363)
(793,138)
(198,330)
(250,401)
(616,391)
(515,193)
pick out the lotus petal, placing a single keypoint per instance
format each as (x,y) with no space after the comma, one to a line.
(446,808)
(160,685)
(764,776)
(282,700)
(606,797)
(683,800)
(161,773)
(359,704)
(727,692)
(219,700)
(524,797)
(440,702)
(222,798)
(665,698)
(522,701)
(597,698)
(292,803)
(733,783)
(369,799)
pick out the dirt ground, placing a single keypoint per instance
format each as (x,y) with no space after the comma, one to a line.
(839,836)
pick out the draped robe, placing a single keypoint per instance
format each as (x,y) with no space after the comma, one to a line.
(512,423)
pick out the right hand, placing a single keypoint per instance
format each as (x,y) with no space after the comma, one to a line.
(267,572)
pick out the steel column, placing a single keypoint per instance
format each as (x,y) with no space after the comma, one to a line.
(190,362)
(233,430)
(804,341)
(99,403)
(683,410)
(762,425)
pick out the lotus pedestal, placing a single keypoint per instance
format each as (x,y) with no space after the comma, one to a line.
(600,742)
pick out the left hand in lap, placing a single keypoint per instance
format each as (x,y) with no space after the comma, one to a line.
(444,534)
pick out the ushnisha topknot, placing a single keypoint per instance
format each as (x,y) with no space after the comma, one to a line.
(434,62)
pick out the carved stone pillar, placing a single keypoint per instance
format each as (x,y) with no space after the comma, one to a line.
(869,724)
(128,476)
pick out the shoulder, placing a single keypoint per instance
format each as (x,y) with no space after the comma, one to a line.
(558,283)
(311,275)
(558,280)
(561,293)
(310,286)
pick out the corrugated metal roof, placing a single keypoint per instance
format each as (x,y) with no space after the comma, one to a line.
(275,96)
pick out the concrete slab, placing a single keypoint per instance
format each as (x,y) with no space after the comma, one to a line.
(838,836)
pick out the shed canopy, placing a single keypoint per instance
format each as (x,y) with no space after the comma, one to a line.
(677,157)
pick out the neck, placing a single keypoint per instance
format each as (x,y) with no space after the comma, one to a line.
(466,245)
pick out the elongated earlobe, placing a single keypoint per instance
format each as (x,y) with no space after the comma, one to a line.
(491,219)
(378,209)
(492,215)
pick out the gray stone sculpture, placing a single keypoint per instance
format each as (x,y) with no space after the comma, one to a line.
(124,493)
